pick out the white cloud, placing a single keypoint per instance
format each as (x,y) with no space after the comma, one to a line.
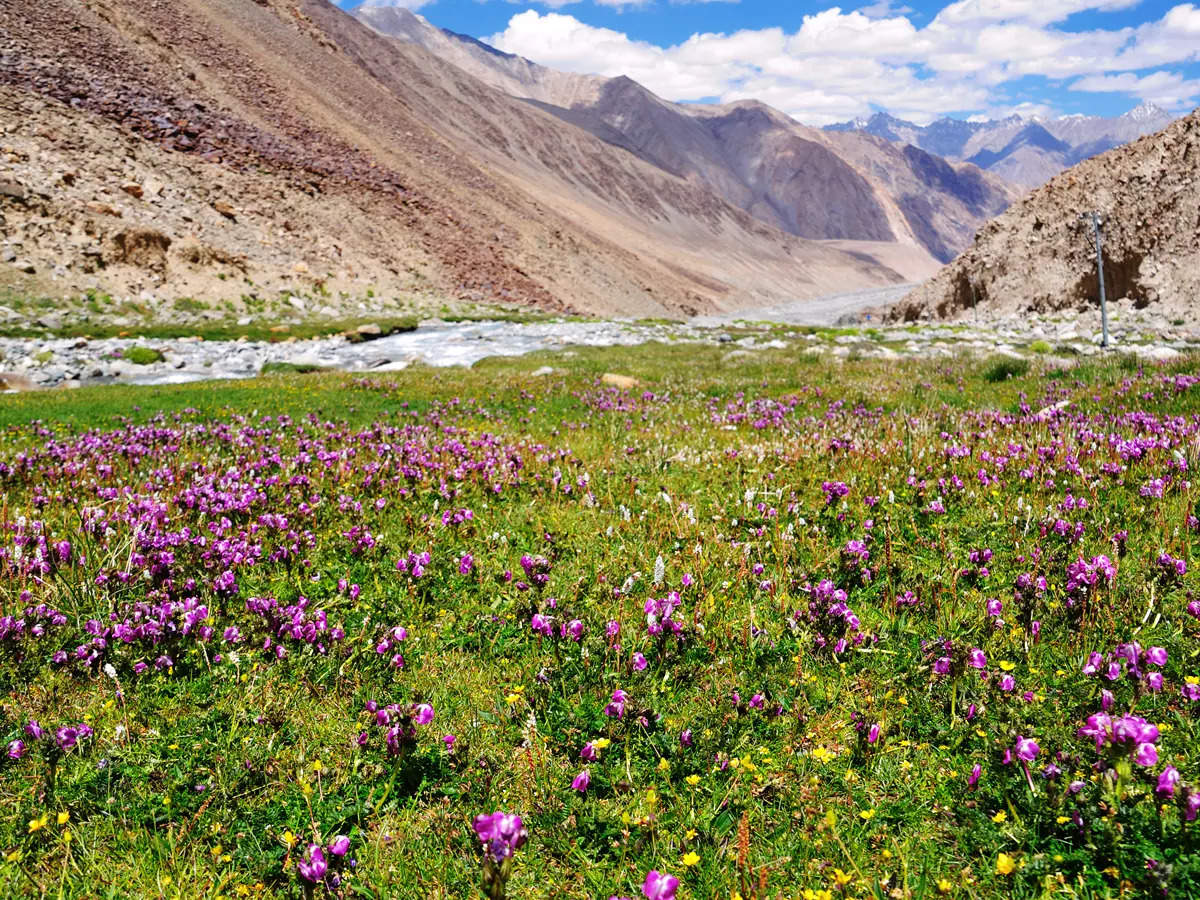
(1163,88)
(883,9)
(402,4)
(840,64)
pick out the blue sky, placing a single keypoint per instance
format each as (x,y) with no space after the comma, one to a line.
(824,63)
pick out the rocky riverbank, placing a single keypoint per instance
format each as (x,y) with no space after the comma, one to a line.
(49,361)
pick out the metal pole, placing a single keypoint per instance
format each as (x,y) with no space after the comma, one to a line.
(1100,271)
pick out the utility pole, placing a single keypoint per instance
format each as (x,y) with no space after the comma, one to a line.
(1097,221)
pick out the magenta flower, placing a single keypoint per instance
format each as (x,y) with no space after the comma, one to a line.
(973,779)
(340,845)
(501,834)
(581,781)
(313,866)
(589,752)
(977,659)
(873,734)
(1167,781)
(1146,754)
(639,662)
(573,630)
(616,709)
(423,714)
(16,749)
(1026,749)
(660,886)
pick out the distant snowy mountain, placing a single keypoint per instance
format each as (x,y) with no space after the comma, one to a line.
(1026,151)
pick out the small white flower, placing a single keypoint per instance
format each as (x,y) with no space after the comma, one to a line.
(110,671)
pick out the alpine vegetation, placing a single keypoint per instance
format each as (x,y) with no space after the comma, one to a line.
(754,627)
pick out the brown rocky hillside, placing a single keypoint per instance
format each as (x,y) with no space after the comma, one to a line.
(229,150)
(1039,255)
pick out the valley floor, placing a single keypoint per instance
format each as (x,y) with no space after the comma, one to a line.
(768,624)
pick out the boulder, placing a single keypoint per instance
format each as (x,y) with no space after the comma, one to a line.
(624,382)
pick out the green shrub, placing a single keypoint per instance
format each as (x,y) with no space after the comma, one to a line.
(287,368)
(1040,347)
(1004,369)
(143,356)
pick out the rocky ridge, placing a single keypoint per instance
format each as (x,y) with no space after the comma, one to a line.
(1039,256)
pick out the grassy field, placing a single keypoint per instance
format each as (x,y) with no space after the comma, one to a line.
(770,627)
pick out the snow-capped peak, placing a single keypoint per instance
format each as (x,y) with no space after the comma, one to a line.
(1145,110)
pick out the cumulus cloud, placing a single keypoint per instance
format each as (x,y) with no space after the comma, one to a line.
(1163,88)
(402,4)
(839,63)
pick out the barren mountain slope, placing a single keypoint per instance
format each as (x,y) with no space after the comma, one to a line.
(1039,255)
(802,180)
(298,149)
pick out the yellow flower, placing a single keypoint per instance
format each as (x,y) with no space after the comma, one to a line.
(1007,666)
(13,856)
(693,780)
(66,835)
(64,818)
(289,838)
(663,765)
(38,824)
(1063,820)
(867,815)
(690,859)
(830,818)
(944,886)
(689,834)
(651,797)
(316,766)
(842,878)
(512,698)
(602,743)
(1005,864)
(999,817)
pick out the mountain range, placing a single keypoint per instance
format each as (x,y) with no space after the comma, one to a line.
(814,184)
(1024,151)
